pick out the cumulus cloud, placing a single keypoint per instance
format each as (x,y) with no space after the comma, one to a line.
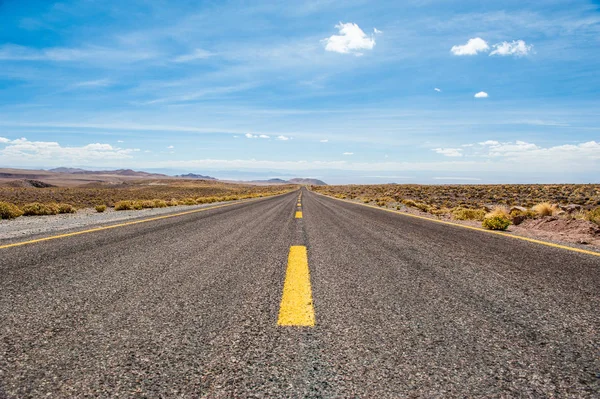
(4,140)
(488,142)
(351,40)
(170,147)
(518,48)
(481,94)
(22,151)
(472,47)
(348,153)
(283,138)
(324,141)
(438,90)
(449,152)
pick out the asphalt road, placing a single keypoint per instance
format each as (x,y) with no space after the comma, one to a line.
(188,307)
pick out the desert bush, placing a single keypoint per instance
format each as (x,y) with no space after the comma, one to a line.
(468,214)
(66,208)
(160,203)
(594,215)
(9,211)
(100,208)
(124,206)
(545,209)
(189,201)
(496,222)
(147,204)
(172,202)
(37,209)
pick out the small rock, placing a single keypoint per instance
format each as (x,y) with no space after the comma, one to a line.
(518,208)
(571,208)
(517,220)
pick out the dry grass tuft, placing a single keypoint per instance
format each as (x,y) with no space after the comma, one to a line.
(100,208)
(66,208)
(502,211)
(545,209)
(468,214)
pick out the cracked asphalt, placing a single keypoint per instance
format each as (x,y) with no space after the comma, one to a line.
(187,307)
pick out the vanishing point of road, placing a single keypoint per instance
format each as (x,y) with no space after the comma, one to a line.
(297,296)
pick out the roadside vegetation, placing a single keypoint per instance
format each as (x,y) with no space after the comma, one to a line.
(495,206)
(33,201)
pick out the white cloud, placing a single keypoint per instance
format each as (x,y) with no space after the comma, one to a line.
(256,136)
(377,31)
(283,138)
(348,153)
(518,48)
(4,140)
(472,47)
(197,54)
(438,90)
(120,141)
(449,152)
(488,142)
(324,141)
(351,40)
(481,94)
(170,147)
(23,151)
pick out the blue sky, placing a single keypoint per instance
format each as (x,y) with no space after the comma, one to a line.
(347,91)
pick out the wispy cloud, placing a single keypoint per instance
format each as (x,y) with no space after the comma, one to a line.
(351,40)
(197,54)
(93,83)
(256,136)
(283,138)
(449,152)
(437,89)
(348,153)
(324,141)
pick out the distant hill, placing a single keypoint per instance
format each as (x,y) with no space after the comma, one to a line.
(118,172)
(195,176)
(27,183)
(314,182)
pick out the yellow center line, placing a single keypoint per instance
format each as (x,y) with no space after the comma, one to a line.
(114,226)
(298,214)
(296,308)
(500,233)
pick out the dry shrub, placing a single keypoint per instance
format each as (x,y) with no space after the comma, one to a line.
(148,204)
(172,202)
(160,203)
(189,201)
(468,214)
(9,211)
(124,206)
(545,209)
(66,208)
(37,209)
(497,222)
(100,208)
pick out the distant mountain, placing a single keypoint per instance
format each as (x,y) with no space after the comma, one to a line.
(66,170)
(118,172)
(297,180)
(195,176)
(313,182)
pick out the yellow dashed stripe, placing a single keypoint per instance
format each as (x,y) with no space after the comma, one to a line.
(296,308)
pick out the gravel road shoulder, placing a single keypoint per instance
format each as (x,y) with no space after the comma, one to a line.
(27,226)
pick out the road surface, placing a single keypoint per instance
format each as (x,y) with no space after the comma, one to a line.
(270,298)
